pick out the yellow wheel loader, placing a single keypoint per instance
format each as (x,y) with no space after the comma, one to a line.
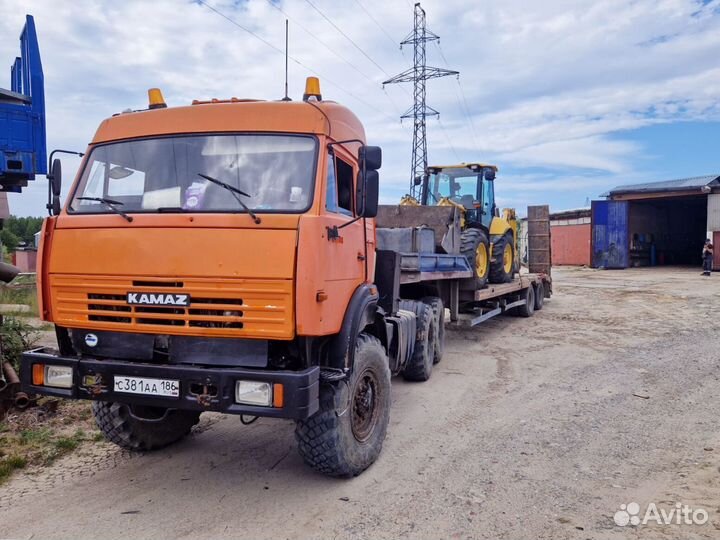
(458,203)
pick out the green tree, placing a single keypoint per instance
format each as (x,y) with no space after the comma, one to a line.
(20,229)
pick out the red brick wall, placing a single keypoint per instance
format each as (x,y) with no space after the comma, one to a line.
(570,244)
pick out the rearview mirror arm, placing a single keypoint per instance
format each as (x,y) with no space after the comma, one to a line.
(49,176)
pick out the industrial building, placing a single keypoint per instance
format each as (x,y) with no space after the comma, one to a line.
(652,224)
(656,224)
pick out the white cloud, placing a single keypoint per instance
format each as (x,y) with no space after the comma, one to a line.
(550,84)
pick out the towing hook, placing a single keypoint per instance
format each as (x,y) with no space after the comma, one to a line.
(204,393)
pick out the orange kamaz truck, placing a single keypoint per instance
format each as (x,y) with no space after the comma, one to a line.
(223,256)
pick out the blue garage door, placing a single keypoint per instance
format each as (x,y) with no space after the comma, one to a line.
(610,234)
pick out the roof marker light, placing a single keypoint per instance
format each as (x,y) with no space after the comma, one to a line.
(155,99)
(312,89)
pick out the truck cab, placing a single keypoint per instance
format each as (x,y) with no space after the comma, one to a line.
(217,256)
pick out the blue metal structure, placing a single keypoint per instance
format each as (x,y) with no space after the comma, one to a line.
(610,237)
(23,152)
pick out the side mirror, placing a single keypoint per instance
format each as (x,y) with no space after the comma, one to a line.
(370,157)
(418,180)
(368,194)
(490,174)
(55,186)
(56,177)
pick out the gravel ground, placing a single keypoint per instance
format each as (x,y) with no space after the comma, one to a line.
(529,428)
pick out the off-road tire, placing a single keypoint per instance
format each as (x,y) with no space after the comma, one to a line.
(497,268)
(327,441)
(470,239)
(528,308)
(120,427)
(439,314)
(539,295)
(419,367)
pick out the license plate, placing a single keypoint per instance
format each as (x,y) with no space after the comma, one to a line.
(148,387)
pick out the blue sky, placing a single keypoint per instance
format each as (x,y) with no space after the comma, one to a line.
(568,97)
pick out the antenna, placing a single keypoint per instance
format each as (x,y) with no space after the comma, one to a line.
(286,98)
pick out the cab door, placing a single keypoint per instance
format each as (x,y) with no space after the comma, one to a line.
(487,201)
(345,248)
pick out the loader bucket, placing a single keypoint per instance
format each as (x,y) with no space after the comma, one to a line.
(443,220)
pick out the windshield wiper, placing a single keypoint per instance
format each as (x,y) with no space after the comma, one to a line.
(235,192)
(109,203)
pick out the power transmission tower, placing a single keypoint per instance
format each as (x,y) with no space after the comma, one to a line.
(418,74)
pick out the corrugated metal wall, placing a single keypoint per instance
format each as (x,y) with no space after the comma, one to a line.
(713,212)
(570,244)
(610,234)
(716,251)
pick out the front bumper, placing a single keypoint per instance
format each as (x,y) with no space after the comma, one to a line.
(197,385)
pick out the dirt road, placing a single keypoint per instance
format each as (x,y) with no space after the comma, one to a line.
(529,428)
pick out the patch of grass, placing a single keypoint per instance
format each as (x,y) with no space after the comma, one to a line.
(41,435)
(29,436)
(67,443)
(17,337)
(22,294)
(8,465)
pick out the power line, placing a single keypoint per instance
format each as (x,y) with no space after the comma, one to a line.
(298,62)
(463,105)
(321,42)
(347,37)
(373,19)
(447,137)
(333,51)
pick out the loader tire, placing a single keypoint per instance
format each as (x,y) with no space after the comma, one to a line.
(439,314)
(502,263)
(345,436)
(419,367)
(142,428)
(475,246)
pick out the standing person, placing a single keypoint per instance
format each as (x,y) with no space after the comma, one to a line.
(707,255)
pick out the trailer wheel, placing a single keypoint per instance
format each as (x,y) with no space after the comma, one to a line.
(539,295)
(419,367)
(439,314)
(475,246)
(502,265)
(528,308)
(346,435)
(142,428)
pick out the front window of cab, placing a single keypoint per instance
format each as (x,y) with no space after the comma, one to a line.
(275,173)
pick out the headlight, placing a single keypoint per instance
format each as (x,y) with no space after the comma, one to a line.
(253,393)
(58,376)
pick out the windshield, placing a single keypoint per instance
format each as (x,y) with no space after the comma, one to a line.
(460,185)
(274,172)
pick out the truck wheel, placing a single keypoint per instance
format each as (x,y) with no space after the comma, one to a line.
(419,367)
(539,295)
(346,435)
(502,263)
(439,314)
(528,308)
(142,428)
(474,245)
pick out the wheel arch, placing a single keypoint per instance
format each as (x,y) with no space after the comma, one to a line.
(499,227)
(362,314)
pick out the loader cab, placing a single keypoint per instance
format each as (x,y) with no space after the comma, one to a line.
(468,185)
